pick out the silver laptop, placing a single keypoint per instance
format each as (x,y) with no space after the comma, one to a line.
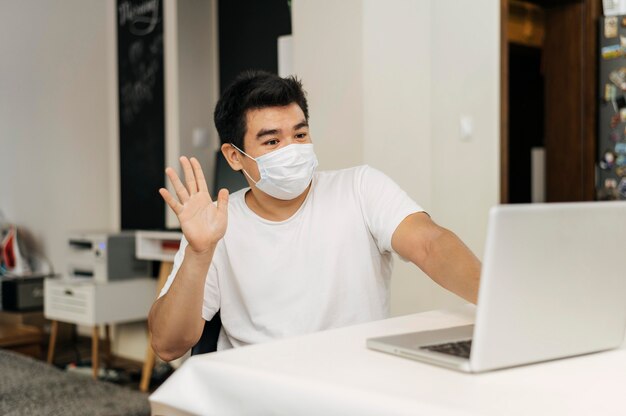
(553,285)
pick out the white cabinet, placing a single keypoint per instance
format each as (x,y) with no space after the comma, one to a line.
(94,303)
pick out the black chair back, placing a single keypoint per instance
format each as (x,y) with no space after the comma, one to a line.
(210,333)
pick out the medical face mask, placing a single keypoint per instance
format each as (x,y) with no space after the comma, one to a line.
(286,172)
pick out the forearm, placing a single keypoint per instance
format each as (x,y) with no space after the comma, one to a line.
(451,264)
(175,319)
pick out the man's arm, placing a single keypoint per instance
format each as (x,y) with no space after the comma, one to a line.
(175,319)
(439,253)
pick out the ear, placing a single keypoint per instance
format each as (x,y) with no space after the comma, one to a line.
(232,156)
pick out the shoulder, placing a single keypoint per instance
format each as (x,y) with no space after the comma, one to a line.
(342,175)
(358,178)
(236,199)
(237,196)
(357,175)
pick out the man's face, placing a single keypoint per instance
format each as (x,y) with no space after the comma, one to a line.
(269,129)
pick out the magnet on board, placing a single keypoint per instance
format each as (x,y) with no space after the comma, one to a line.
(610,27)
(615,120)
(610,92)
(620,171)
(620,148)
(618,77)
(608,160)
(612,52)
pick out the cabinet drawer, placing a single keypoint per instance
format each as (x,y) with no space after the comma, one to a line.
(69,302)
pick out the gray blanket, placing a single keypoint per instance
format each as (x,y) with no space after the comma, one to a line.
(31,387)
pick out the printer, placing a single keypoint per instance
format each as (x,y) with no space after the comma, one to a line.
(104,257)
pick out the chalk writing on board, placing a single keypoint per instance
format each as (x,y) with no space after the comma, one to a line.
(142,57)
(142,18)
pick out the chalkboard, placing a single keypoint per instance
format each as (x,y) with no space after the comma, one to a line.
(141,113)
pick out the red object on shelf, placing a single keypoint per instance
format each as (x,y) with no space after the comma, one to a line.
(171,245)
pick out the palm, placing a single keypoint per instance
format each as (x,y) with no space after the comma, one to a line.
(203,222)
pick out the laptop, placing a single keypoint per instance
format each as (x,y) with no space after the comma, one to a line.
(553,285)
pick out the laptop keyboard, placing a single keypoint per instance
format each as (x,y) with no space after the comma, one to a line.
(459,348)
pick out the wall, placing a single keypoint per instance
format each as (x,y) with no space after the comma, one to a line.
(404,72)
(466,82)
(55,115)
(329,62)
(58,111)
(59,168)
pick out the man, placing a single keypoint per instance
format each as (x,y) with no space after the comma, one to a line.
(298,251)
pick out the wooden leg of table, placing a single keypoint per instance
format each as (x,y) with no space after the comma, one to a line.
(95,338)
(148,365)
(54,329)
(107,344)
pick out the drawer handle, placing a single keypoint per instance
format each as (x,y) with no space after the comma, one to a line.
(69,292)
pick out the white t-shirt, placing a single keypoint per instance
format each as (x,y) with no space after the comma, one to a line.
(327,266)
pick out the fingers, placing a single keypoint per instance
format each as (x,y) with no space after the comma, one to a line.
(171,201)
(180,189)
(190,179)
(222,201)
(194,179)
(197,171)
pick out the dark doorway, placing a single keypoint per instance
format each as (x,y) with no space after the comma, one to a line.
(526,117)
(549,91)
(248,33)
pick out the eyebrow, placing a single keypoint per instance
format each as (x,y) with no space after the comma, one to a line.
(269,132)
(301,124)
(266,132)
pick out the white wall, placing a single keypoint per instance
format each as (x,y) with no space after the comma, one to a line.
(404,71)
(59,168)
(327,56)
(58,118)
(466,82)
(55,130)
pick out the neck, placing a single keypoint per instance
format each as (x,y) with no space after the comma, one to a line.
(271,208)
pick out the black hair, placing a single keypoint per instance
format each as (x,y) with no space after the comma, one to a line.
(254,90)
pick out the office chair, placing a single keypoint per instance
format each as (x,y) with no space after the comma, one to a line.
(208,339)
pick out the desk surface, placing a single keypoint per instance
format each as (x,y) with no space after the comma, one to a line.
(333,373)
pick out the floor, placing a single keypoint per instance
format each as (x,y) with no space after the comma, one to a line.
(74,354)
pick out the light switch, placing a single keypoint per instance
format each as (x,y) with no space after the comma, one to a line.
(466,124)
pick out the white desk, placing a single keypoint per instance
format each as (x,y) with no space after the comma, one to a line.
(333,373)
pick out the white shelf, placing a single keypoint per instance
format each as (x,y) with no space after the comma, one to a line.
(152,245)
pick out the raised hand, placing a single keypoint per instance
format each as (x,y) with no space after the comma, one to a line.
(203,223)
